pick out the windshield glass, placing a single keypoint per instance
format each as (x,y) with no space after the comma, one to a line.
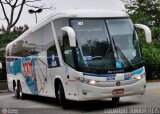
(106,43)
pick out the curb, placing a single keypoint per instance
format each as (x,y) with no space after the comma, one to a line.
(150,81)
(5,91)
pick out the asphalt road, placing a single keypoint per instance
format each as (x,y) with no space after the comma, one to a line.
(148,103)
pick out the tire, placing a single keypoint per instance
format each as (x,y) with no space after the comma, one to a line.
(115,100)
(62,98)
(16,92)
(19,92)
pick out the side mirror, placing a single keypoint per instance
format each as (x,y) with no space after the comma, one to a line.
(147,31)
(0,65)
(71,35)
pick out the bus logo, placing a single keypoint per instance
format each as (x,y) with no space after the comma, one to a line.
(27,67)
(118,83)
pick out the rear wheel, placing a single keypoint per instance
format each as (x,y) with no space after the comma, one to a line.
(14,89)
(116,99)
(15,92)
(62,98)
(19,92)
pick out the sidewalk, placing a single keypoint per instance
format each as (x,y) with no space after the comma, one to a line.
(5,91)
(149,81)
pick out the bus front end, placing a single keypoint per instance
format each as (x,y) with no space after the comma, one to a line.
(114,86)
(108,58)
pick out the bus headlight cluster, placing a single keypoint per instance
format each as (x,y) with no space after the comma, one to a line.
(87,81)
(139,77)
(92,82)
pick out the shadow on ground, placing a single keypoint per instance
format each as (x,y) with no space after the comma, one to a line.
(85,106)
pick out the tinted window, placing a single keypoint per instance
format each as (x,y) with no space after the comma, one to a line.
(29,45)
(68,54)
(49,45)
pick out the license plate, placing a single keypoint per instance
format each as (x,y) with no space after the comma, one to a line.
(118,91)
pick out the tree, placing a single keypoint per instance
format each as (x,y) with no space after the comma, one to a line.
(144,11)
(16,6)
(5,38)
(147,12)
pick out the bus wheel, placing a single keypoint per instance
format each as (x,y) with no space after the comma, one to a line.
(20,95)
(62,97)
(14,89)
(16,92)
(116,99)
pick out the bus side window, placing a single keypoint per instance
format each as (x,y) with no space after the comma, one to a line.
(53,49)
(52,57)
(67,51)
(49,46)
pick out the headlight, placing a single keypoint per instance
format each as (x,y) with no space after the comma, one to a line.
(92,82)
(87,81)
(139,77)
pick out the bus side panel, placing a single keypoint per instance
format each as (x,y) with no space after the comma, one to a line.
(44,76)
(33,73)
(67,77)
(16,72)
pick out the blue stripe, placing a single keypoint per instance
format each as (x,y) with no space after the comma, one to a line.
(138,71)
(99,75)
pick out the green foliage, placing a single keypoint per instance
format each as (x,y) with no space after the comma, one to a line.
(151,57)
(147,12)
(6,38)
(151,54)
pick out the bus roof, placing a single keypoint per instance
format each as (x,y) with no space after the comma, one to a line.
(73,13)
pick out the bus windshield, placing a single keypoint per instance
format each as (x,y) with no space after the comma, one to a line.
(106,43)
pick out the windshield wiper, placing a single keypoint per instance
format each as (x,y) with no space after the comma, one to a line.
(122,56)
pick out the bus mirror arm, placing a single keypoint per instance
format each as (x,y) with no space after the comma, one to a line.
(147,31)
(71,35)
(0,65)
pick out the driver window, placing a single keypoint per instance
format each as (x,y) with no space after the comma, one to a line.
(68,54)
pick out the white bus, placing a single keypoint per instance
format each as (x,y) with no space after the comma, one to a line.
(78,55)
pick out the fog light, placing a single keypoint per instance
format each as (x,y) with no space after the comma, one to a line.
(84,92)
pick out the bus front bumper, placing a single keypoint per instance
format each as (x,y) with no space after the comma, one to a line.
(89,92)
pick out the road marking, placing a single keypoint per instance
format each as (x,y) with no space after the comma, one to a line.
(156,90)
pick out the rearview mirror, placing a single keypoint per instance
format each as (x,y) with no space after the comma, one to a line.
(71,35)
(147,31)
(0,65)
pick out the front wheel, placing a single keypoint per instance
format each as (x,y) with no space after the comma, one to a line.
(61,96)
(116,99)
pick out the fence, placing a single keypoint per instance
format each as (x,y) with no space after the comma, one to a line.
(3,85)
